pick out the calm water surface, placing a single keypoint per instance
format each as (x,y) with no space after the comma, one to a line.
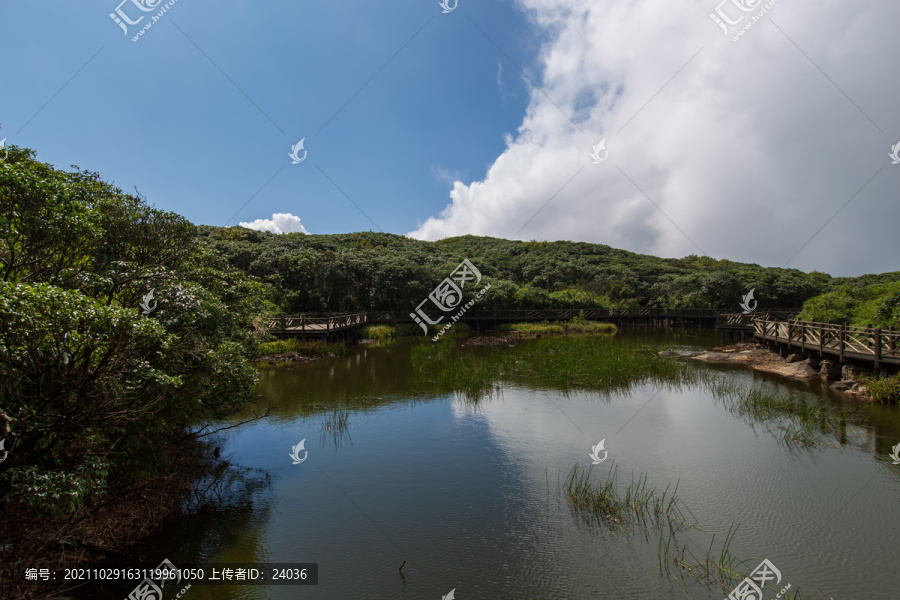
(466,493)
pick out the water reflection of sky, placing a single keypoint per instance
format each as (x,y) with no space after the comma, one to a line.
(790,503)
(461,494)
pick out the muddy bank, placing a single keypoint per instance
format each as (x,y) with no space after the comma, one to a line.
(759,359)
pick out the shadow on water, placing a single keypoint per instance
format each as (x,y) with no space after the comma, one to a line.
(226,507)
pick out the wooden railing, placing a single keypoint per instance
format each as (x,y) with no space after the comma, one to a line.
(315,322)
(859,343)
(319,322)
(746,320)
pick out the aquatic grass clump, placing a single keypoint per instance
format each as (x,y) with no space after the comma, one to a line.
(336,425)
(444,364)
(576,325)
(338,419)
(720,571)
(379,333)
(309,347)
(591,327)
(407,329)
(639,506)
(533,328)
(603,364)
(884,390)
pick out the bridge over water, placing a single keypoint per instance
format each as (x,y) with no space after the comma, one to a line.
(870,345)
(331,326)
(776,328)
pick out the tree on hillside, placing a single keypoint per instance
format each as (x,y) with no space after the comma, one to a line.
(91,383)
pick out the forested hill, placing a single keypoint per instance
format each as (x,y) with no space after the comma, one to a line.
(378,271)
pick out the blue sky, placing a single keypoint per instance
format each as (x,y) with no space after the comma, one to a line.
(768,146)
(201,138)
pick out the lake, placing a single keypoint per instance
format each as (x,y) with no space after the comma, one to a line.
(468,493)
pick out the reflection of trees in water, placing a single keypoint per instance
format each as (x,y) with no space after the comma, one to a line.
(383,374)
(796,418)
(228,501)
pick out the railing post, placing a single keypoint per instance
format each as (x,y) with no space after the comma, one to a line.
(303,325)
(841,335)
(877,347)
(282,325)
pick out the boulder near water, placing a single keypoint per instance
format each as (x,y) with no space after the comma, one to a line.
(830,370)
(850,372)
(843,386)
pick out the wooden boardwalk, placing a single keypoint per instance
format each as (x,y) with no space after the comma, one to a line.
(737,327)
(865,344)
(327,325)
(745,321)
(879,347)
(339,325)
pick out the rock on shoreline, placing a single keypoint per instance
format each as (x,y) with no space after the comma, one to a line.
(760,359)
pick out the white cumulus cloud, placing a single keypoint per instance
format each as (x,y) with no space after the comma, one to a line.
(743,150)
(279,223)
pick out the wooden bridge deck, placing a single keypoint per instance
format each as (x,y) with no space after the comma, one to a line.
(326,324)
(878,346)
(742,321)
(867,344)
(315,324)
